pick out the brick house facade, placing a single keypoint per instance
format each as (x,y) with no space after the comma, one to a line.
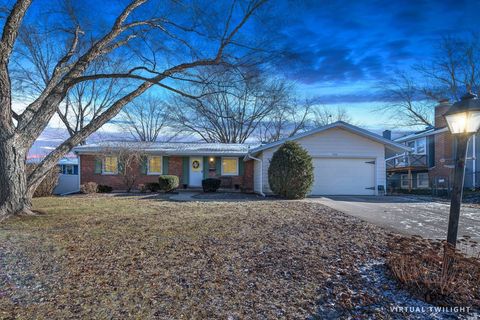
(91,171)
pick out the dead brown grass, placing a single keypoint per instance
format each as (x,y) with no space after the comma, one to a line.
(418,264)
(123,257)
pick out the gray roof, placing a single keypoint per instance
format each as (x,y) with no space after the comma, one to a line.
(421,134)
(339,124)
(171,148)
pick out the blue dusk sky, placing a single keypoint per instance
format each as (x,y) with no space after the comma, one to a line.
(340,52)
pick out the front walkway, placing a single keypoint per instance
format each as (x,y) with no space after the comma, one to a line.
(408,215)
(184,196)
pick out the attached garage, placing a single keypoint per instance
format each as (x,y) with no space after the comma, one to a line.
(344,176)
(347,160)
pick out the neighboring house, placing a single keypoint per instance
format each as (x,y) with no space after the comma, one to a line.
(429,164)
(347,161)
(68,180)
(191,162)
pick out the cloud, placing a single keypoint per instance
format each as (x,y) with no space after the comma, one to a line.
(350,41)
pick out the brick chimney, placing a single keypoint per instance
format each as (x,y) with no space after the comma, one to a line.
(387,134)
(440,110)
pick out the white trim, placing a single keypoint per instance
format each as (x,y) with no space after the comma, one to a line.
(401,181)
(416,143)
(80,172)
(148,166)
(103,167)
(418,181)
(339,124)
(421,134)
(261,174)
(237,167)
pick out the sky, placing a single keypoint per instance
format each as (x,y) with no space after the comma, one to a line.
(340,52)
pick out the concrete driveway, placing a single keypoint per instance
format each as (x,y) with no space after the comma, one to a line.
(406,215)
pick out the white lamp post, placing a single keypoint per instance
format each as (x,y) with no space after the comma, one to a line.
(463,119)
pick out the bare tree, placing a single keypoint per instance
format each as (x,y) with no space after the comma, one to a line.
(453,69)
(323,115)
(409,104)
(146,117)
(233,104)
(447,74)
(87,100)
(129,156)
(285,121)
(178,49)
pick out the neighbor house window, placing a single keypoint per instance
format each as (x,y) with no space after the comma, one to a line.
(155,165)
(404,183)
(110,165)
(68,169)
(229,166)
(422,180)
(418,146)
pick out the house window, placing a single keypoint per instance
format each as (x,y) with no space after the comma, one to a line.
(229,166)
(422,180)
(404,183)
(155,165)
(110,165)
(68,169)
(418,146)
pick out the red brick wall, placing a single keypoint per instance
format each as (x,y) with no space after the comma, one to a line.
(443,146)
(87,174)
(440,110)
(443,156)
(248,176)
(175,164)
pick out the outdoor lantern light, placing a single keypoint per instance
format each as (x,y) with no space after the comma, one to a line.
(212,159)
(463,119)
(464,115)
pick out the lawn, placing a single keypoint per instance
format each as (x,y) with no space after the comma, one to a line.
(127,257)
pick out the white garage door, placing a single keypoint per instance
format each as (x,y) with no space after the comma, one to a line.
(341,176)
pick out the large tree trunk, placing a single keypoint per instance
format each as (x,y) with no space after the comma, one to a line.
(14,195)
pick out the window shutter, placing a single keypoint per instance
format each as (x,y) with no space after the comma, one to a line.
(185,170)
(165,165)
(205,167)
(143,164)
(218,166)
(98,166)
(241,167)
(121,166)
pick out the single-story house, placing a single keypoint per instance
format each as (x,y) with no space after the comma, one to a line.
(347,160)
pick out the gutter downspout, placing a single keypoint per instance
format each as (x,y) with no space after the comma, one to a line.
(261,174)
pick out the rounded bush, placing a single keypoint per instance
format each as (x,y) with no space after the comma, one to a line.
(89,187)
(168,183)
(211,184)
(290,173)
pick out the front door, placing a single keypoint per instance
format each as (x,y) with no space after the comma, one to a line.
(196,171)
